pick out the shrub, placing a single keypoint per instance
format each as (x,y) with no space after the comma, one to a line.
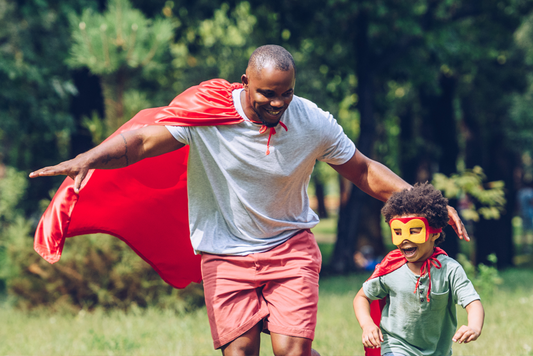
(95,271)
(485,278)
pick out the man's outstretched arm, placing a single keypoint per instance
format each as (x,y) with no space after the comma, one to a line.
(120,151)
(380,182)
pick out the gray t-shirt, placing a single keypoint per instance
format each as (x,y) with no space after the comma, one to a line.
(243,201)
(412,326)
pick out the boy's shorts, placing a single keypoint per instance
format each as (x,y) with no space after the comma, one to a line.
(279,286)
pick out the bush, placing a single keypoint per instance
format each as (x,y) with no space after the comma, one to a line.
(485,278)
(95,271)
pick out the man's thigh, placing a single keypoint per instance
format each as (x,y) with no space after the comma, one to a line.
(290,275)
(233,298)
(279,286)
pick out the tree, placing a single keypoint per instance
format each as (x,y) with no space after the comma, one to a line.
(35,96)
(121,46)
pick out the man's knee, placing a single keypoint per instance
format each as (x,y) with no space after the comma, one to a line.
(245,345)
(284,345)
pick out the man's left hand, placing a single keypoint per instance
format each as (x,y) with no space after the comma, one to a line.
(457,224)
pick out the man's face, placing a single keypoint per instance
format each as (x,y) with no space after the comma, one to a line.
(268,94)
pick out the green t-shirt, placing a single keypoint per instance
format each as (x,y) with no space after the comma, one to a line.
(412,326)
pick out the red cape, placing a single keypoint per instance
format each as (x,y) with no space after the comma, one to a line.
(390,263)
(145,204)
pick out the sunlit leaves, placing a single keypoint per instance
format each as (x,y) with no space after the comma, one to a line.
(480,199)
(120,37)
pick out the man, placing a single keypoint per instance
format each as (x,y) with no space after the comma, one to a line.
(248,207)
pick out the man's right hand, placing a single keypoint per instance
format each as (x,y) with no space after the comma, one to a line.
(75,168)
(120,151)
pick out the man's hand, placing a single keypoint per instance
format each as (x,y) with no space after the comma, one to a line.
(76,169)
(120,151)
(457,224)
(465,334)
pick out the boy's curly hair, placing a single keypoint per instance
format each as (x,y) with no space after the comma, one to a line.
(423,200)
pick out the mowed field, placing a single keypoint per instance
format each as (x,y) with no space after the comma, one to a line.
(508,326)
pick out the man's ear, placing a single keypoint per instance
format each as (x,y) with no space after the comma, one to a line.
(244,80)
(434,237)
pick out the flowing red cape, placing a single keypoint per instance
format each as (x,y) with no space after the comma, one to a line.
(391,262)
(145,204)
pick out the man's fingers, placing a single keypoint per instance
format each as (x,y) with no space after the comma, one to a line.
(457,224)
(78,180)
(44,172)
(65,168)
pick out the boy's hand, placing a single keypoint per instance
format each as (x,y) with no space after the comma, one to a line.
(465,334)
(372,337)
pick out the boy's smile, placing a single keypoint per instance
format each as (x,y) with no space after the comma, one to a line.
(417,252)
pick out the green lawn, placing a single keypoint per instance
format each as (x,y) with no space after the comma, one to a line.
(508,327)
(508,324)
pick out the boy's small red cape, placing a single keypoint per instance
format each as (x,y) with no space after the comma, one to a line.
(145,204)
(391,262)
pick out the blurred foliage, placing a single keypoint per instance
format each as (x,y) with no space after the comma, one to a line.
(217,47)
(121,46)
(484,277)
(146,53)
(520,128)
(482,199)
(96,270)
(122,37)
(36,123)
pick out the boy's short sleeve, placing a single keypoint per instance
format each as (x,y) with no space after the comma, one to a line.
(375,289)
(463,290)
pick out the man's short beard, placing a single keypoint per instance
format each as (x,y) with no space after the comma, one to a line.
(265,123)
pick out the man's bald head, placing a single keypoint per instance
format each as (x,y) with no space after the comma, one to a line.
(271,55)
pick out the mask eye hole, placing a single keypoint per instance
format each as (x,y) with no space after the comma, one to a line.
(398,232)
(415,230)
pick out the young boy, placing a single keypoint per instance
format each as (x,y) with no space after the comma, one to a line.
(420,282)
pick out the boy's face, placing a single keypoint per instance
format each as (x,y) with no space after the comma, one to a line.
(412,251)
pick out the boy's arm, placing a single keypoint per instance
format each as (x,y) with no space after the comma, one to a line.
(372,336)
(476,316)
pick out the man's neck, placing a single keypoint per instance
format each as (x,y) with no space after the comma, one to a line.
(248,111)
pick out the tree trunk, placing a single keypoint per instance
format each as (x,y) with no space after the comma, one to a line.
(445,135)
(88,100)
(485,147)
(320,197)
(350,213)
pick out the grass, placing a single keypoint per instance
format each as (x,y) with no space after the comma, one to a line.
(508,326)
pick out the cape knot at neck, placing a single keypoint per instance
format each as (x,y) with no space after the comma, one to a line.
(426,268)
(272,132)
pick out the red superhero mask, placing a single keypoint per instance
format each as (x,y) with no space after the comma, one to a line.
(415,229)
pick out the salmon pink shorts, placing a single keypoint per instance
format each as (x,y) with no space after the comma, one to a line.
(278,287)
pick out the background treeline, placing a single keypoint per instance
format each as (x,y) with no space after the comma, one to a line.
(438,90)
